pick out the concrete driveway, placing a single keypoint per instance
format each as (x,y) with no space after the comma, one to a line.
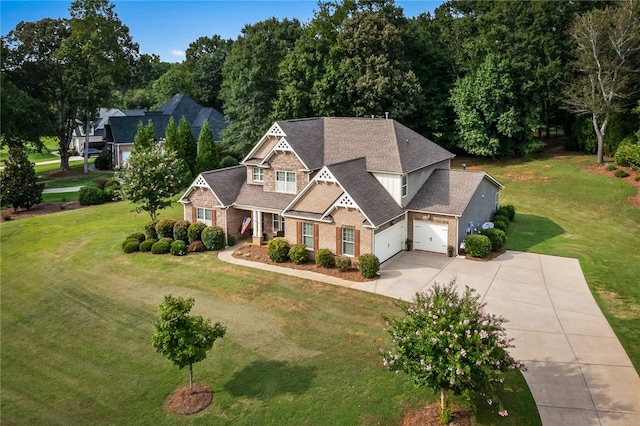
(578,372)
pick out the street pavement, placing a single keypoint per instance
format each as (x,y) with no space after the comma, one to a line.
(578,372)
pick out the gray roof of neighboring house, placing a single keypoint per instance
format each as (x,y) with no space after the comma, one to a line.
(448,191)
(387,145)
(123,129)
(365,190)
(226,183)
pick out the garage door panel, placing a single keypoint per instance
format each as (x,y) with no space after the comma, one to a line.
(390,241)
(430,236)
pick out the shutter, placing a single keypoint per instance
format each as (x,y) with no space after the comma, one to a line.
(194,215)
(214,217)
(338,241)
(356,243)
(316,236)
(299,232)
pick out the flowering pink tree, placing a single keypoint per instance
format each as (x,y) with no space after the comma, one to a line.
(449,343)
(151,177)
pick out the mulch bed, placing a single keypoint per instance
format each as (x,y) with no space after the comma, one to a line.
(184,402)
(260,254)
(38,210)
(430,416)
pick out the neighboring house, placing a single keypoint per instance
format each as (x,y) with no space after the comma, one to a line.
(352,185)
(120,130)
(96,129)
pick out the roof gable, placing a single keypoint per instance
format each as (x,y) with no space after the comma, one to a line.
(225,184)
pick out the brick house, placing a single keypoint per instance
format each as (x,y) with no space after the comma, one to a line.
(352,185)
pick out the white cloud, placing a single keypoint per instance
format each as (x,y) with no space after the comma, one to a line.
(179,54)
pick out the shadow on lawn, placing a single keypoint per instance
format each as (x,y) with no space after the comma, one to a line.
(270,378)
(529,230)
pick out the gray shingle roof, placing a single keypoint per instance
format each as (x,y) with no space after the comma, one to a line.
(447,192)
(254,196)
(365,190)
(387,145)
(226,183)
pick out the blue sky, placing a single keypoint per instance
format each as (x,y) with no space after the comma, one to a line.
(166,27)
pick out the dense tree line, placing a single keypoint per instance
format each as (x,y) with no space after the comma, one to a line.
(480,77)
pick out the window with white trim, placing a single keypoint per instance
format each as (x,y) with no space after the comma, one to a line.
(258,175)
(405,185)
(348,241)
(286,182)
(307,234)
(497,200)
(278,223)
(204,216)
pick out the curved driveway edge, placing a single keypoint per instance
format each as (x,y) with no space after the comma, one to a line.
(578,372)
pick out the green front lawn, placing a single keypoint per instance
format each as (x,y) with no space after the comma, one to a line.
(77,319)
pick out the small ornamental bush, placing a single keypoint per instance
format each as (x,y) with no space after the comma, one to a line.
(137,236)
(231,240)
(180,230)
(278,249)
(497,237)
(510,210)
(168,240)
(325,258)
(448,342)
(150,230)
(100,182)
(178,248)
(213,237)
(477,245)
(500,216)
(628,153)
(111,193)
(195,231)
(131,246)
(147,244)
(196,247)
(91,195)
(368,265)
(343,263)
(129,240)
(298,254)
(161,247)
(611,167)
(620,173)
(164,228)
(501,223)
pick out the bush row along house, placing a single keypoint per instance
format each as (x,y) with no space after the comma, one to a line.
(352,185)
(116,129)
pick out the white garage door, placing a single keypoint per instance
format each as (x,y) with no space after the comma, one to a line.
(429,236)
(389,242)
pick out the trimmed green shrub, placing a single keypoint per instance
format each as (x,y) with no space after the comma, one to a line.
(213,237)
(147,244)
(497,237)
(500,216)
(620,173)
(231,240)
(298,254)
(178,248)
(150,230)
(511,211)
(196,247)
(102,163)
(131,246)
(164,228)
(194,233)
(180,230)
(161,247)
(168,240)
(325,258)
(100,182)
(477,245)
(501,223)
(129,240)
(137,236)
(343,263)
(611,167)
(368,265)
(628,153)
(91,195)
(112,193)
(278,249)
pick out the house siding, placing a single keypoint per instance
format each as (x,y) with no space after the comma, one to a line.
(417,179)
(479,209)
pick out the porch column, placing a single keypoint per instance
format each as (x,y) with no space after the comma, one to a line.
(256,218)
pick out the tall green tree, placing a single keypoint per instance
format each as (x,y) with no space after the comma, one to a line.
(98,54)
(171,136)
(208,157)
(19,185)
(250,80)
(204,60)
(186,147)
(145,138)
(176,80)
(182,338)
(607,52)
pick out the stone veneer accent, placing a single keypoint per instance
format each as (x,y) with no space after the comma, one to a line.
(284,161)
